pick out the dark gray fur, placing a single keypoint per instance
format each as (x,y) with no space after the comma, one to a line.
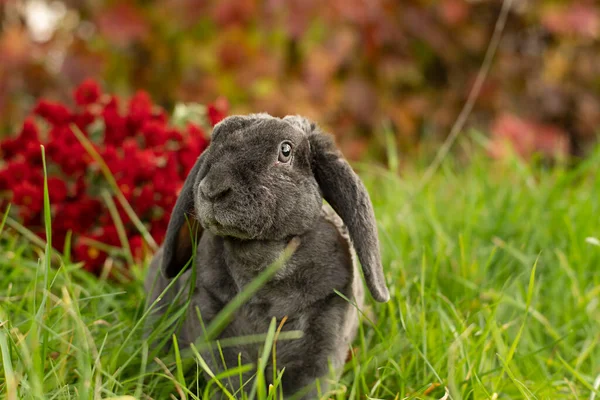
(245,206)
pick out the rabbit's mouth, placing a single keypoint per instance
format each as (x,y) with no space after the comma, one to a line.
(219,229)
(227,231)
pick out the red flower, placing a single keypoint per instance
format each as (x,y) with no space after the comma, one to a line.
(154,133)
(140,109)
(158,232)
(25,146)
(58,237)
(33,153)
(92,257)
(79,188)
(88,209)
(55,113)
(115,125)
(187,158)
(166,192)
(29,131)
(170,167)
(148,159)
(197,133)
(218,110)
(9,148)
(115,162)
(140,164)
(65,150)
(193,146)
(66,217)
(83,119)
(126,186)
(18,172)
(77,215)
(61,134)
(71,158)
(109,235)
(159,116)
(147,165)
(30,199)
(174,135)
(136,244)
(29,135)
(87,93)
(143,199)
(57,190)
(106,219)
(4,183)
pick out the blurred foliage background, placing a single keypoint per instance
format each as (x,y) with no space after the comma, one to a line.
(352,65)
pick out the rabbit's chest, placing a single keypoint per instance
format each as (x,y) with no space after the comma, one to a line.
(288,299)
(305,284)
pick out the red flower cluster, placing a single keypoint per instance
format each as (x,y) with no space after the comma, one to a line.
(148,158)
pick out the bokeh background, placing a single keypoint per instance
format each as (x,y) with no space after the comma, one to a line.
(354,66)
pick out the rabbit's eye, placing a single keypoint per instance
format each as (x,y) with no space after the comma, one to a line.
(285,152)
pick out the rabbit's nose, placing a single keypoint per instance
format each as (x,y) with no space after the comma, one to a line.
(213,190)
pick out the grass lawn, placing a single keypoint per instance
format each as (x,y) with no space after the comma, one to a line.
(493,269)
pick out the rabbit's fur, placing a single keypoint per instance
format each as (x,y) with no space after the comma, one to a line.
(242,203)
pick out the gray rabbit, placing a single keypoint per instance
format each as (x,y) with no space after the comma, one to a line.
(260,184)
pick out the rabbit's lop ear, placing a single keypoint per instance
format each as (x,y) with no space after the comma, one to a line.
(344,190)
(183,229)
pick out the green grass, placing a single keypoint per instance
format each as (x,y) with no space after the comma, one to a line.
(493,269)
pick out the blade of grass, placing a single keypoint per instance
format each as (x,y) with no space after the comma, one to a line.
(258,384)
(67,247)
(102,246)
(526,393)
(26,233)
(9,374)
(513,347)
(578,376)
(45,305)
(144,364)
(180,389)
(452,361)
(596,388)
(277,334)
(4,218)
(210,373)
(391,146)
(114,213)
(423,311)
(179,365)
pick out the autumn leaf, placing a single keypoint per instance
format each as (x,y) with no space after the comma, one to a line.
(577,19)
(526,137)
(454,12)
(15,47)
(122,24)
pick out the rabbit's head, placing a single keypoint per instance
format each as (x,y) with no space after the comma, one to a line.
(264,178)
